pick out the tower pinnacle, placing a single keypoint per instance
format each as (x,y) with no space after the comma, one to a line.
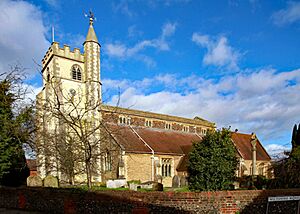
(91,35)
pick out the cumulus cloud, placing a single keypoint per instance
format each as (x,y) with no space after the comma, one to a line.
(122,51)
(219,52)
(288,15)
(24,36)
(264,101)
(276,151)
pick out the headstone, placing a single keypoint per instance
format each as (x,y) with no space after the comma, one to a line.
(183,181)
(157,187)
(133,186)
(175,181)
(34,181)
(50,181)
(116,183)
(147,185)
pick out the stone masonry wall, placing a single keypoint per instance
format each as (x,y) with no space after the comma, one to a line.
(47,200)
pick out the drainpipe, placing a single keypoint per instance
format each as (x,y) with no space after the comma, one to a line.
(152,151)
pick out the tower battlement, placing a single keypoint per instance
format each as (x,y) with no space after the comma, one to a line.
(65,52)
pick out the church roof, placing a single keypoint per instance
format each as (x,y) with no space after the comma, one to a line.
(243,145)
(139,139)
(161,141)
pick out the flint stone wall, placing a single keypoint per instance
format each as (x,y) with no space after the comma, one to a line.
(49,200)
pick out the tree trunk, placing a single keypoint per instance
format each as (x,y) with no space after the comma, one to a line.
(88,174)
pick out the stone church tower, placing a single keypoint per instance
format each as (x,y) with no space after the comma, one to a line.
(71,84)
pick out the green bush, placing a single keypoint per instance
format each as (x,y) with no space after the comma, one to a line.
(213,162)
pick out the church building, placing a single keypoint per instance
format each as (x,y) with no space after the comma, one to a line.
(79,134)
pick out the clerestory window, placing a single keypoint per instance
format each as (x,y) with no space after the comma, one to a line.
(124,120)
(186,129)
(148,123)
(76,72)
(168,126)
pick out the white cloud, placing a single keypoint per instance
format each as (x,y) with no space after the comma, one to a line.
(219,52)
(276,151)
(123,8)
(119,50)
(134,32)
(264,101)
(288,15)
(22,35)
(116,50)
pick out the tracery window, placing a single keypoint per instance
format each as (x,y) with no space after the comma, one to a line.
(166,167)
(76,72)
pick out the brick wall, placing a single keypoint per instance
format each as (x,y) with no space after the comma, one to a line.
(73,201)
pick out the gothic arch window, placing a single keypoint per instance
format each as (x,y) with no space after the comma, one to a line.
(76,72)
(166,167)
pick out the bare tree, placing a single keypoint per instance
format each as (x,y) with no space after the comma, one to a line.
(72,138)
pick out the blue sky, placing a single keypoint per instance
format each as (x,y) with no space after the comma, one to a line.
(233,62)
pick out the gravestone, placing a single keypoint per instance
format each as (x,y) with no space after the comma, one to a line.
(50,181)
(34,181)
(175,181)
(116,183)
(183,182)
(157,187)
(133,186)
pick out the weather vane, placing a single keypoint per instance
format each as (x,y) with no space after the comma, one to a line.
(91,16)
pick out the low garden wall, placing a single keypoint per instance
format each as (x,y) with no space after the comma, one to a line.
(59,200)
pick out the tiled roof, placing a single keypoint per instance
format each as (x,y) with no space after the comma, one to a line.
(167,141)
(243,144)
(139,139)
(134,139)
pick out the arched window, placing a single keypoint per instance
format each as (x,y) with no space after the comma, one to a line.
(76,72)
(166,167)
